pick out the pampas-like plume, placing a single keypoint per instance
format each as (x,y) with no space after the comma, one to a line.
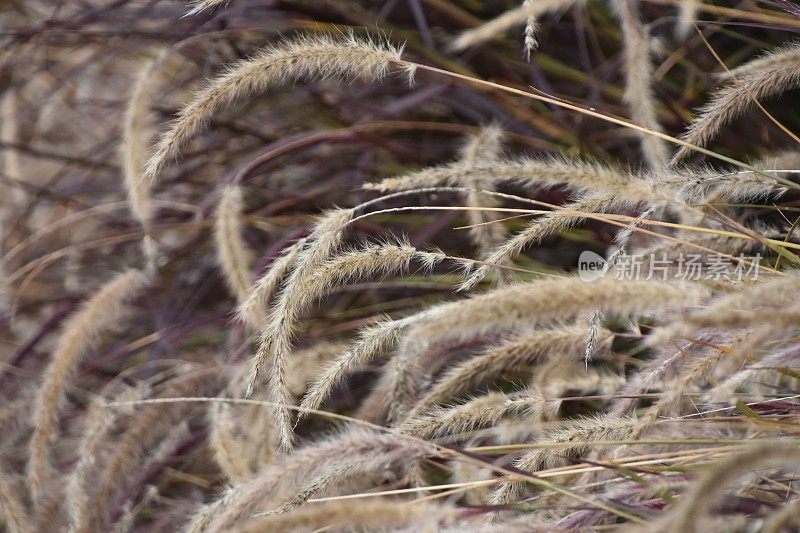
(372,515)
(240,502)
(103,311)
(275,343)
(375,259)
(12,510)
(242,437)
(762,78)
(372,260)
(638,93)
(509,19)
(582,432)
(222,440)
(373,341)
(760,303)
(310,57)
(253,310)
(99,423)
(480,412)
(143,431)
(311,284)
(696,369)
(577,175)
(485,146)
(137,135)
(524,305)
(542,228)
(752,374)
(232,252)
(689,511)
(494,362)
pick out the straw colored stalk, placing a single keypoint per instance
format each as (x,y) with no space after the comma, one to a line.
(103,311)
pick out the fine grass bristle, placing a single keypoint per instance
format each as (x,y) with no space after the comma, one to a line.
(320,298)
(513,17)
(377,513)
(762,78)
(81,333)
(317,57)
(232,252)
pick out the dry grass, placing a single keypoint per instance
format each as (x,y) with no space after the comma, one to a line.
(311,304)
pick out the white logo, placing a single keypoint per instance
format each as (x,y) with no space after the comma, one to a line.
(590,266)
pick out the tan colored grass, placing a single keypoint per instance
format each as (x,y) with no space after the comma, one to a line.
(12,510)
(373,342)
(145,430)
(137,136)
(100,313)
(232,251)
(198,6)
(239,504)
(509,19)
(275,343)
(482,411)
(638,92)
(306,57)
(762,78)
(532,173)
(542,228)
(378,513)
(485,232)
(688,514)
(526,350)
(582,432)
(687,17)
(253,310)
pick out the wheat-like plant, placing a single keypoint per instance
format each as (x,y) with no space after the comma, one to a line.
(306,57)
(82,332)
(494,301)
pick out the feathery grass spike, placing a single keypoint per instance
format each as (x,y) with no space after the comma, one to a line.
(317,57)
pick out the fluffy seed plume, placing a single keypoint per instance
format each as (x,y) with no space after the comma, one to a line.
(582,432)
(483,411)
(762,78)
(375,514)
(373,341)
(275,482)
(253,310)
(275,343)
(763,303)
(145,430)
(485,146)
(198,6)
(531,27)
(103,311)
(526,350)
(542,228)
(99,425)
(314,283)
(687,17)
(137,135)
(308,57)
(232,252)
(638,77)
(509,19)
(518,306)
(693,506)
(576,175)
(12,511)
